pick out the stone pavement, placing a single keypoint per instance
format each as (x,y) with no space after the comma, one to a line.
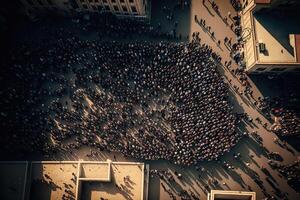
(171,16)
(253,155)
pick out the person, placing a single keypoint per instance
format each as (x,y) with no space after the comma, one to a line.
(147,100)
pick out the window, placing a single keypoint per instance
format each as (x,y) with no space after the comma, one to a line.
(90,1)
(122,1)
(261,69)
(94,7)
(124,8)
(116,8)
(50,2)
(113,1)
(81,0)
(107,7)
(96,1)
(104,1)
(85,6)
(133,9)
(30,2)
(131,1)
(277,69)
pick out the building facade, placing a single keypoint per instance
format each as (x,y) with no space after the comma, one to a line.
(273,44)
(125,8)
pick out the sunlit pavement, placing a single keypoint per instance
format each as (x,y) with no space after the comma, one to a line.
(253,156)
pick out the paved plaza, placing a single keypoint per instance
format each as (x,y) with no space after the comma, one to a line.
(246,167)
(252,154)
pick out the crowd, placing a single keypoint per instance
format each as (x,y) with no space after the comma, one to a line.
(167,180)
(289,124)
(148,100)
(286,120)
(237,5)
(292,173)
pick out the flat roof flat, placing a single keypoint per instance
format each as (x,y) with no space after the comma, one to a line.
(275,51)
(131,188)
(73,180)
(231,195)
(273,28)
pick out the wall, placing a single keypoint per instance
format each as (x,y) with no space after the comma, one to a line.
(131,8)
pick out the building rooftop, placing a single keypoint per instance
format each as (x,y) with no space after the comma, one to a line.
(273,37)
(275,52)
(74,180)
(273,29)
(231,195)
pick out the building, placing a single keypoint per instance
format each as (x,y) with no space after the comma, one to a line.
(271,35)
(36,180)
(230,195)
(125,8)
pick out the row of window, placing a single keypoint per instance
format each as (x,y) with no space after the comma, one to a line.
(276,69)
(115,6)
(105,1)
(40,2)
(94,7)
(107,8)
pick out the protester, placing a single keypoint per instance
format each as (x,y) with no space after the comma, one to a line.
(148,100)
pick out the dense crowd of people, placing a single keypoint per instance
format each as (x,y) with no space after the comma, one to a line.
(289,124)
(292,173)
(287,121)
(148,100)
